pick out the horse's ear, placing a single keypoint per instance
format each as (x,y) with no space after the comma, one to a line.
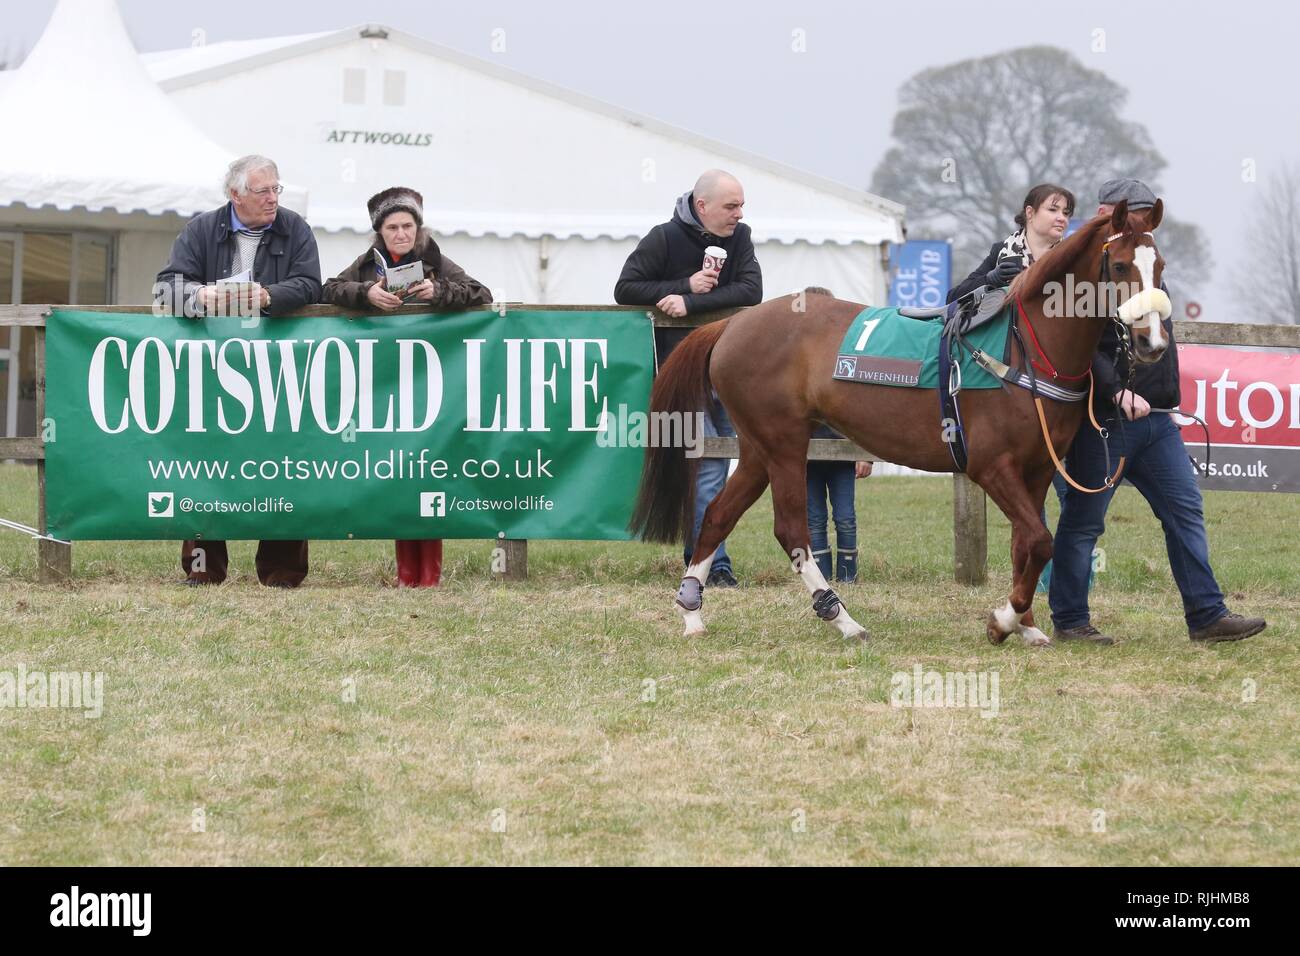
(1157,213)
(1119,216)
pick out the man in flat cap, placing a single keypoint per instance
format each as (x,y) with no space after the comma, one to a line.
(1158,466)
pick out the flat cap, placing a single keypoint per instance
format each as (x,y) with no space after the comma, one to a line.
(1138,194)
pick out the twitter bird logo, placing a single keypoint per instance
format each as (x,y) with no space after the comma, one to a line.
(161,504)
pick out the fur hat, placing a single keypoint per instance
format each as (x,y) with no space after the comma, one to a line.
(395,199)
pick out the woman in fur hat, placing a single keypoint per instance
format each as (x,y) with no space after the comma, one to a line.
(397,216)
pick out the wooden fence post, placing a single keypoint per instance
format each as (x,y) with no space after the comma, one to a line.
(53,558)
(969,532)
(514,559)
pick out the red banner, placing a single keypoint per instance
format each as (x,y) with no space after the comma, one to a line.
(1251,402)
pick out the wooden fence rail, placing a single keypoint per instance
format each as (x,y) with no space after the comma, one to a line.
(969,506)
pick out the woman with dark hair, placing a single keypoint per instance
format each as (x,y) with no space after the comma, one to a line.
(397,215)
(1043,218)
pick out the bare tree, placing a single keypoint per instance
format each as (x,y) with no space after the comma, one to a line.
(1268,282)
(972,137)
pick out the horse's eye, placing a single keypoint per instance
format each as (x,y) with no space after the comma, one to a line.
(1121,267)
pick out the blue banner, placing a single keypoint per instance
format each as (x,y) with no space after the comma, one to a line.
(920,273)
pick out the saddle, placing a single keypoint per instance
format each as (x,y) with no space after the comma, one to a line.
(971,311)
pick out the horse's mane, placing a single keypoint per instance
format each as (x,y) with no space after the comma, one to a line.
(1053,264)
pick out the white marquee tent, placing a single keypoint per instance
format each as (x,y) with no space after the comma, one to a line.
(99,170)
(539,191)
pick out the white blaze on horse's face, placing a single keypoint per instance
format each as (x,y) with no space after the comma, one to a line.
(1144,311)
(1144,257)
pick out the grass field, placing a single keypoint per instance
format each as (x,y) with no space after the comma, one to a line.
(516,723)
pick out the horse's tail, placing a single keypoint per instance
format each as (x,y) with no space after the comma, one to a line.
(665,503)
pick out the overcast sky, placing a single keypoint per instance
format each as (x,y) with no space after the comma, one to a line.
(1214,83)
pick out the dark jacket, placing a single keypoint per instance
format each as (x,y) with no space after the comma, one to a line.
(976,278)
(287,264)
(1157,383)
(453,289)
(664,261)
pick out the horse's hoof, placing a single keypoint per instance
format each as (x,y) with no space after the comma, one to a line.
(1033,637)
(995,633)
(859,637)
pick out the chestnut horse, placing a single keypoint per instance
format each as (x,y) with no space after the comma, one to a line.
(772,369)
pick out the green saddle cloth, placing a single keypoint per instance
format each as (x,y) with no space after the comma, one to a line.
(883,347)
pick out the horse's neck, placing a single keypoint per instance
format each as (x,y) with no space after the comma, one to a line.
(1068,340)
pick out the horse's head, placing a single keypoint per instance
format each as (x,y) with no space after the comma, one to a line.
(1132,262)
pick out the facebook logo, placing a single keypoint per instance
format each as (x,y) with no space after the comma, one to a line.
(433,504)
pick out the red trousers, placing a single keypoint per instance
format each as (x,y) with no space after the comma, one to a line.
(419,563)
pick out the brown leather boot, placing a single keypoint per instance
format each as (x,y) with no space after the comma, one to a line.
(1230,627)
(1084,632)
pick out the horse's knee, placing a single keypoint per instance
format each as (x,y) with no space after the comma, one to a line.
(1040,548)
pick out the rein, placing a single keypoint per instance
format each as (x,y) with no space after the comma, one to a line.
(1050,369)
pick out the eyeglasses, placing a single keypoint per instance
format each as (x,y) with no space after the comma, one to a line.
(267,190)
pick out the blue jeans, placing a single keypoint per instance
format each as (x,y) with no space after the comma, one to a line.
(709,480)
(1158,466)
(1061,486)
(833,478)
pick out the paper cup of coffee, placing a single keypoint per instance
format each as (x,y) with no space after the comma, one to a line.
(715,257)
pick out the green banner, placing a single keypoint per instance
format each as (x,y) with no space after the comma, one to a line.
(461,425)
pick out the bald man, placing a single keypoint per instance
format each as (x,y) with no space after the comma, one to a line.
(666,270)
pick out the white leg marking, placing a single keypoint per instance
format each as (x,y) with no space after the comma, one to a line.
(1033,637)
(849,628)
(807,569)
(815,581)
(694,622)
(700,570)
(695,619)
(1008,620)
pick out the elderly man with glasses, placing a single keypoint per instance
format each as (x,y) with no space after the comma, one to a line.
(269,261)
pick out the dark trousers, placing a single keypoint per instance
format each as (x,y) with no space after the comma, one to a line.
(278,563)
(1158,466)
(834,479)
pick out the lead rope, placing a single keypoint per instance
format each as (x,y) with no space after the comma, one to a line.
(1204,469)
(1051,449)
